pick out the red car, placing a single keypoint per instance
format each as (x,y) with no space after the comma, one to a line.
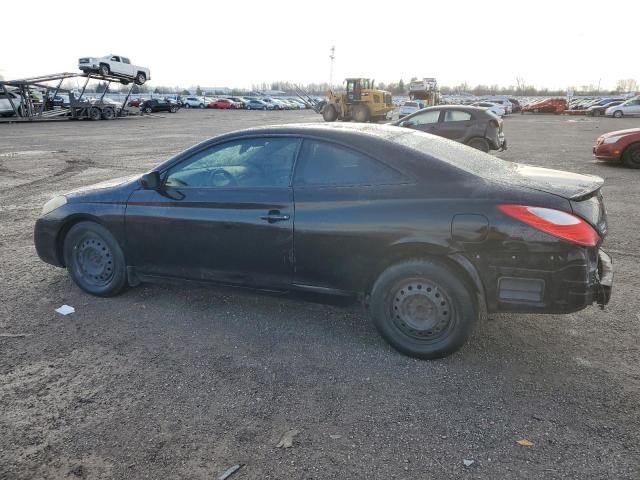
(222,103)
(621,145)
(136,102)
(549,105)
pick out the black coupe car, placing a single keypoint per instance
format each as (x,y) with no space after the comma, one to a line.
(159,105)
(427,232)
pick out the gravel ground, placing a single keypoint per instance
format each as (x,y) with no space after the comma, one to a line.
(184,382)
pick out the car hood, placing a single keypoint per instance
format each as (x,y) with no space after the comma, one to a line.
(617,133)
(572,186)
(102,188)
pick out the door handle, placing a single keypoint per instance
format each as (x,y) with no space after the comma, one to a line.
(275,216)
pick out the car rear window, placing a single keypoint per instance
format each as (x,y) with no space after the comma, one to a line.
(410,104)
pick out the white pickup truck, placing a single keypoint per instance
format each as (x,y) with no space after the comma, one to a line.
(116,66)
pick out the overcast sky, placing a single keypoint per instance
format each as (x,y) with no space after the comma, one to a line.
(548,43)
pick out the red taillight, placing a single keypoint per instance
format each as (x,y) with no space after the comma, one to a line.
(554,222)
(495,122)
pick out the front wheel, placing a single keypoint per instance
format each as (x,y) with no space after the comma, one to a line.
(108,113)
(140,78)
(95,113)
(423,309)
(104,70)
(631,157)
(148,110)
(201,105)
(95,260)
(173,109)
(617,114)
(187,106)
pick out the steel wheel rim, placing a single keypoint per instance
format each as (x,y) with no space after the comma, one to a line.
(421,310)
(94,260)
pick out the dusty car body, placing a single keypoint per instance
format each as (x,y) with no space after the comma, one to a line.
(473,126)
(427,232)
(619,146)
(549,105)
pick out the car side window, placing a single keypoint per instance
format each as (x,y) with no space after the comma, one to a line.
(426,117)
(322,163)
(251,162)
(456,116)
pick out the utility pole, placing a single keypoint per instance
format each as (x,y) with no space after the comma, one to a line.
(332,56)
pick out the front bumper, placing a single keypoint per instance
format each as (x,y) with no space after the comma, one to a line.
(45,238)
(607,151)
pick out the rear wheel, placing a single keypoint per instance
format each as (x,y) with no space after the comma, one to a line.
(95,260)
(329,113)
(479,144)
(631,157)
(141,78)
(360,113)
(618,114)
(108,114)
(187,105)
(148,110)
(173,109)
(201,105)
(423,309)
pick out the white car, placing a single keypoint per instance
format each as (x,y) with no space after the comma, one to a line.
(412,106)
(116,66)
(492,107)
(5,104)
(194,102)
(505,102)
(630,107)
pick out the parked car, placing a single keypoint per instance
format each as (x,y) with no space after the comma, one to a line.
(494,108)
(619,146)
(548,105)
(116,66)
(597,110)
(407,108)
(474,126)
(6,110)
(255,104)
(159,105)
(429,233)
(241,101)
(502,101)
(194,102)
(515,105)
(136,102)
(630,107)
(270,101)
(223,103)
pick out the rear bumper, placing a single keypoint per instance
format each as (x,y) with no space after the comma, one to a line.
(580,278)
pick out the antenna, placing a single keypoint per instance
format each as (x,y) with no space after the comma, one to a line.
(332,56)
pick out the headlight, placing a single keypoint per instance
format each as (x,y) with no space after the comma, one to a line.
(55,202)
(612,139)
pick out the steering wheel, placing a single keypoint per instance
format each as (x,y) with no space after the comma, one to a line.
(221,178)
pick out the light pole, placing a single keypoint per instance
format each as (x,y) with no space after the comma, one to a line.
(332,56)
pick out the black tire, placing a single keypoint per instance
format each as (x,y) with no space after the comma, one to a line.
(329,113)
(148,110)
(360,113)
(479,144)
(95,113)
(631,156)
(618,114)
(124,82)
(595,113)
(264,108)
(201,105)
(95,260)
(173,109)
(248,107)
(140,78)
(108,113)
(187,105)
(423,309)
(104,69)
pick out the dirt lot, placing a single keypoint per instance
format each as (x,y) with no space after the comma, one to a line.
(184,382)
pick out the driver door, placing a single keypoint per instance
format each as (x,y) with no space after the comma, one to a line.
(223,214)
(425,121)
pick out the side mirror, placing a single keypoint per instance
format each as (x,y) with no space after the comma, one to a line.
(150,181)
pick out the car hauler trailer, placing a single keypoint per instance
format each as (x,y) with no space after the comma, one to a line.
(30,109)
